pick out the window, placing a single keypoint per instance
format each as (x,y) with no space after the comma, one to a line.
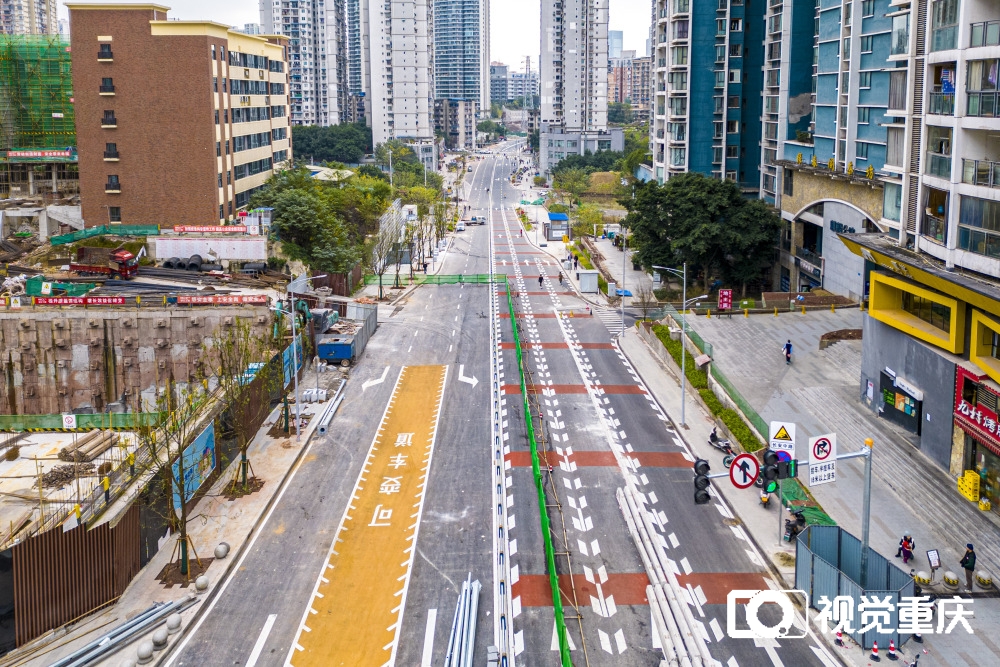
(868,8)
(866,43)
(680,29)
(222,211)
(213,52)
(936,314)
(252,168)
(216,116)
(720,53)
(897,90)
(720,78)
(229,177)
(215,84)
(985,34)
(847,47)
(678,106)
(732,127)
(981,88)
(678,131)
(774,51)
(677,157)
(717,133)
(113,183)
(732,151)
(787,182)
(223,84)
(109,118)
(225,116)
(900,35)
(892,200)
(218,149)
(735,50)
(720,26)
(944,25)
(114,213)
(104,52)
(719,102)
(678,80)
(735,25)
(861,150)
(895,141)
(220,180)
(979,226)
(864,115)
(107,85)
(110,150)
(679,55)
(734,102)
(734,76)
(864,79)
(716,154)
(230,208)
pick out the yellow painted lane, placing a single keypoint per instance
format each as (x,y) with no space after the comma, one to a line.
(356,612)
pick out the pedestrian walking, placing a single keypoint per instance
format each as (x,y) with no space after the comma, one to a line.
(907,550)
(906,537)
(539,281)
(969,563)
(576,262)
(787,349)
(560,277)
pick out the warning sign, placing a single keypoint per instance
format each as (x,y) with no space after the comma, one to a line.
(782,439)
(823,459)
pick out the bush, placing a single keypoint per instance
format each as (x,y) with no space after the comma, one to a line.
(696,376)
(539,181)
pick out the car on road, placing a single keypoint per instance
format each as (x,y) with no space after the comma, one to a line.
(460,226)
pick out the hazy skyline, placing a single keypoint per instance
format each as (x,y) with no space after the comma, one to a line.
(513,23)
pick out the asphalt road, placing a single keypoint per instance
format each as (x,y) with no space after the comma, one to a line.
(599,430)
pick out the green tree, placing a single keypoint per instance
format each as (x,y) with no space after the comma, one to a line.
(620,113)
(753,233)
(533,140)
(573,181)
(336,143)
(400,153)
(587,218)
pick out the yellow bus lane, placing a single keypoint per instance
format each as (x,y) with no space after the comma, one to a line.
(355,614)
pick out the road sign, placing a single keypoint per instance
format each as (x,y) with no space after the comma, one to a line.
(69,421)
(743,473)
(725,299)
(823,459)
(782,439)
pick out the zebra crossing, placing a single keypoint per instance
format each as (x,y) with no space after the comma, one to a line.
(611,318)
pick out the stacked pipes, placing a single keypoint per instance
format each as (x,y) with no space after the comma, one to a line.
(672,617)
(88,447)
(462,641)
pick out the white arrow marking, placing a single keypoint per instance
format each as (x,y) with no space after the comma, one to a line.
(372,383)
(462,378)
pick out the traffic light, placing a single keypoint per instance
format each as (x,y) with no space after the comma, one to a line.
(771,487)
(787,470)
(701,481)
(770,470)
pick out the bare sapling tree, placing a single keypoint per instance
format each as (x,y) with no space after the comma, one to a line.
(237,358)
(380,249)
(645,301)
(185,414)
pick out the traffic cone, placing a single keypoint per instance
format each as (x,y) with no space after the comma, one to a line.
(840,638)
(892,650)
(874,656)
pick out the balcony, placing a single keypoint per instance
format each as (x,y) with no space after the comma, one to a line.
(935,228)
(107,90)
(810,256)
(105,55)
(113,187)
(981,172)
(986,33)
(109,121)
(111,156)
(939,165)
(983,103)
(942,104)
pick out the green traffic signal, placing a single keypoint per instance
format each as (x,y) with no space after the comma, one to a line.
(772,486)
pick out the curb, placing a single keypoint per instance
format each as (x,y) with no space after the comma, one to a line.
(771,567)
(234,557)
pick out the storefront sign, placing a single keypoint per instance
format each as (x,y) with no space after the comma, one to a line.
(976,416)
(725,299)
(212,229)
(185,299)
(79,301)
(909,388)
(901,402)
(809,268)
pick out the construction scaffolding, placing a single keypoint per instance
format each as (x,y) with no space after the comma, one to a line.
(37,120)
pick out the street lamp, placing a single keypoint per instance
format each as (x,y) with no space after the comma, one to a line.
(293,287)
(684,304)
(390,168)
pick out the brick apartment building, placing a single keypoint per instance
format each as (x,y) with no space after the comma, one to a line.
(178,122)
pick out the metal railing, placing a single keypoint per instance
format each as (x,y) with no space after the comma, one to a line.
(942,104)
(939,165)
(389,279)
(982,103)
(809,256)
(981,172)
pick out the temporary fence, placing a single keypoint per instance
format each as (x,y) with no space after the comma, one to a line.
(828,565)
(105,420)
(389,280)
(550,554)
(102,230)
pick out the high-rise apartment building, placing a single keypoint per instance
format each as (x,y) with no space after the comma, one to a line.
(28,17)
(573,81)
(177,121)
(456,120)
(708,124)
(396,43)
(317,51)
(461,50)
(498,83)
(522,85)
(615,43)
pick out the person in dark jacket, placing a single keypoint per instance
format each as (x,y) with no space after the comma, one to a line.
(969,563)
(906,536)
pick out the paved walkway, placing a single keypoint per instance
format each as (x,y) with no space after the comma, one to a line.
(840,500)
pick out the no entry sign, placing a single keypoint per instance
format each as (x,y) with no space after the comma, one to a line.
(743,473)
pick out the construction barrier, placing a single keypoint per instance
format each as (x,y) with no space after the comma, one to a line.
(115,230)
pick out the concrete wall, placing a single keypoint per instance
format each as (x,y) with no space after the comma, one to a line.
(843,270)
(59,361)
(810,187)
(923,367)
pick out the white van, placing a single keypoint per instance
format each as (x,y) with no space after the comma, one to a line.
(460,226)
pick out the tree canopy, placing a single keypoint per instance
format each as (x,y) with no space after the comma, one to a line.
(620,113)
(335,143)
(705,222)
(573,181)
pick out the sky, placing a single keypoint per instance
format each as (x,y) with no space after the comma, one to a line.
(513,23)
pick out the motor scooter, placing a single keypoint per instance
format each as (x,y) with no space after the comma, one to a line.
(793,528)
(765,499)
(722,445)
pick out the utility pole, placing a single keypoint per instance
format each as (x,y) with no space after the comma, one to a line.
(866,512)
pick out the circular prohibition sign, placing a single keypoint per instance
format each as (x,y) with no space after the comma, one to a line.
(821,449)
(744,471)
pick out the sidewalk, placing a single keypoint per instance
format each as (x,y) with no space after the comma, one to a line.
(842,499)
(212,521)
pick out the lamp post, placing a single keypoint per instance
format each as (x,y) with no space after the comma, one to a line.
(293,287)
(684,304)
(390,168)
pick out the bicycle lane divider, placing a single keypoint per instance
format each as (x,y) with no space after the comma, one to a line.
(356,611)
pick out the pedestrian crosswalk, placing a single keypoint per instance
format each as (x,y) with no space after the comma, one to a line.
(612,319)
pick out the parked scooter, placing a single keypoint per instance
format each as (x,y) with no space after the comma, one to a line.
(722,445)
(793,528)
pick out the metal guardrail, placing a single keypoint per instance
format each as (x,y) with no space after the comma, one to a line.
(550,557)
(388,280)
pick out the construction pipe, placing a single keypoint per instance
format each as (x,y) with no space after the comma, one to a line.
(470,634)
(456,626)
(327,417)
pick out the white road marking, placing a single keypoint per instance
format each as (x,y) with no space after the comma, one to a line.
(425,660)
(620,641)
(261,640)
(716,629)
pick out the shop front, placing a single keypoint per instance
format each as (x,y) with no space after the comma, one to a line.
(976,407)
